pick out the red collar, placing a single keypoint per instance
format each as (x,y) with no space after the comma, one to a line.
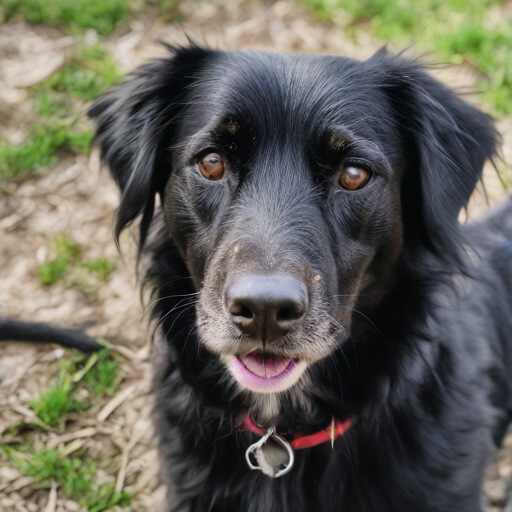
(336,429)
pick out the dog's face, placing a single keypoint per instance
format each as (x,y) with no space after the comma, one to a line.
(284,201)
(291,186)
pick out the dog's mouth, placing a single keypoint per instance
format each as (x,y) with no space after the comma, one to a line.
(265,373)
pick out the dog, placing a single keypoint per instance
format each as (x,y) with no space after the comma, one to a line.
(324,317)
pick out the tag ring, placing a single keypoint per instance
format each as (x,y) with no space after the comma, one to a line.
(271,433)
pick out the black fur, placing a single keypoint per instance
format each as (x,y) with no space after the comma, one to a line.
(18,330)
(412,320)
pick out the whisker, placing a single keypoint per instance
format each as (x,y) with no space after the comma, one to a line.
(170,297)
(363,315)
(186,307)
(177,307)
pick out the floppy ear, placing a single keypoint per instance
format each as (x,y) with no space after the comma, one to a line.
(447,142)
(134,127)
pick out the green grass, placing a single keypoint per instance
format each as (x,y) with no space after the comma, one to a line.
(103,377)
(57,104)
(53,404)
(69,265)
(101,267)
(98,373)
(75,477)
(67,252)
(491,51)
(101,15)
(40,149)
(456,30)
(77,16)
(86,76)
(74,473)
(86,275)
(49,103)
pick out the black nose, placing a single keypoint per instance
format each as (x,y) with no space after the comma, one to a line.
(267,307)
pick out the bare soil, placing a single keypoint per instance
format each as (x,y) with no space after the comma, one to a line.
(78,198)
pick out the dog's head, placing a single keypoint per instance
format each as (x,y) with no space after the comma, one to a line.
(291,186)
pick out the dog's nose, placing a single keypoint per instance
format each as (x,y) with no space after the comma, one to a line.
(267,307)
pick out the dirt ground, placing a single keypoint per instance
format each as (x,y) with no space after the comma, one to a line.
(77,197)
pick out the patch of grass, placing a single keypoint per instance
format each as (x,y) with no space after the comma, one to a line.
(89,73)
(79,139)
(67,252)
(80,15)
(74,473)
(33,154)
(52,271)
(57,401)
(456,29)
(40,149)
(75,476)
(490,50)
(69,264)
(87,274)
(49,103)
(101,15)
(101,267)
(103,376)
(99,373)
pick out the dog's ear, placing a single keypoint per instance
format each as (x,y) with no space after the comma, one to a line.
(134,128)
(447,142)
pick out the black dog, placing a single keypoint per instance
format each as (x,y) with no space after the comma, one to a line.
(312,276)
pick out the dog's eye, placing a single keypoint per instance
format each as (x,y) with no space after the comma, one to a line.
(211,166)
(353,178)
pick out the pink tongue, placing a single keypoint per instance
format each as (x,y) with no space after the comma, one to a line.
(265,366)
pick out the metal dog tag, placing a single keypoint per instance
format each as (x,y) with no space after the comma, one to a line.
(271,460)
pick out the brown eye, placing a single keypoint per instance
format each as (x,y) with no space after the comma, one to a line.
(354,178)
(211,166)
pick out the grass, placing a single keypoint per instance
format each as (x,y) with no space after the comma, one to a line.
(101,267)
(52,405)
(67,253)
(98,373)
(457,30)
(69,264)
(86,76)
(57,104)
(86,275)
(75,476)
(40,149)
(103,377)
(79,15)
